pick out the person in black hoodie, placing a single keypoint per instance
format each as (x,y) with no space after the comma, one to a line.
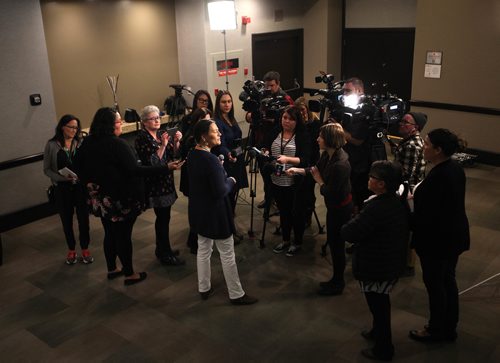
(108,166)
(380,235)
(440,233)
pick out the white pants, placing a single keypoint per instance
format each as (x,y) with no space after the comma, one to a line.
(228,260)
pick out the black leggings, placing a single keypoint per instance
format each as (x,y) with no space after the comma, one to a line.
(335,219)
(71,197)
(118,243)
(440,282)
(291,210)
(380,307)
(162,229)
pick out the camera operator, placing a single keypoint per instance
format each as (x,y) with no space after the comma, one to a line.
(230,150)
(356,128)
(288,146)
(410,154)
(410,151)
(267,121)
(266,124)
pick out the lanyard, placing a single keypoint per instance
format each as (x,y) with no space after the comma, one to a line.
(286,143)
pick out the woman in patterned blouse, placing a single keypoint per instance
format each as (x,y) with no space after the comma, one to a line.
(155,147)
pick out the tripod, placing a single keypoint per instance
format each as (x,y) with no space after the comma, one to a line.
(175,106)
(253,170)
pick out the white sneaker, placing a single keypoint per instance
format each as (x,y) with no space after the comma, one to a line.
(292,250)
(281,247)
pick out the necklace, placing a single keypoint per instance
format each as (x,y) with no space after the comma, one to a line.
(204,148)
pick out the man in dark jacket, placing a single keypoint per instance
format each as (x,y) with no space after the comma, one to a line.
(380,234)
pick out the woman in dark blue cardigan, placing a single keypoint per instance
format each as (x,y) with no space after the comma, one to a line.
(210,213)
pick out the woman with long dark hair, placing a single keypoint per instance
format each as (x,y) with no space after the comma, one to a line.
(70,194)
(230,146)
(187,144)
(108,167)
(201,99)
(440,233)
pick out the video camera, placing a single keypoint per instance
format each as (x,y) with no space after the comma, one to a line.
(382,111)
(260,102)
(332,94)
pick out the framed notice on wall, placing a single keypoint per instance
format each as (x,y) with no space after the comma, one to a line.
(434,57)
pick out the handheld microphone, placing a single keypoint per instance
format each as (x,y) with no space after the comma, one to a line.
(261,154)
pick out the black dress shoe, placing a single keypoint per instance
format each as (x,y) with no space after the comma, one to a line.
(331,289)
(368,353)
(114,274)
(142,277)
(206,294)
(326,283)
(244,300)
(368,334)
(174,252)
(424,336)
(172,261)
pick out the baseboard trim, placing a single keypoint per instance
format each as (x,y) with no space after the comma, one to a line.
(485,157)
(25,216)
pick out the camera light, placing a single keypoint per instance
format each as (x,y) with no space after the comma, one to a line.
(222,15)
(351,101)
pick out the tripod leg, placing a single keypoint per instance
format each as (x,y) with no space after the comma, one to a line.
(262,244)
(253,190)
(320,227)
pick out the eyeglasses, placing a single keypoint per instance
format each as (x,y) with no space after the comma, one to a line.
(153,118)
(404,122)
(375,177)
(72,127)
(203,100)
(120,121)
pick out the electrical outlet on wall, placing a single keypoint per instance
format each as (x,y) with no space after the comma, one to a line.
(35,99)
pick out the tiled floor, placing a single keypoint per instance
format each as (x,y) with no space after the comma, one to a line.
(53,312)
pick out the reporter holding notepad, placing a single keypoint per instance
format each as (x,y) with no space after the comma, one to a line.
(59,154)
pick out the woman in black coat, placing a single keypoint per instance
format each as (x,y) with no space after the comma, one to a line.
(108,167)
(332,173)
(440,233)
(210,213)
(380,235)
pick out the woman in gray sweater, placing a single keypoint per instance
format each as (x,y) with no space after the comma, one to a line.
(70,194)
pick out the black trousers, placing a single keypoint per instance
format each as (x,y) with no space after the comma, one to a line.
(291,207)
(162,230)
(308,186)
(335,219)
(440,282)
(71,197)
(359,185)
(118,243)
(380,307)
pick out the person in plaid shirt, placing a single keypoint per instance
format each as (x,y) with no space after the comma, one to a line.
(410,154)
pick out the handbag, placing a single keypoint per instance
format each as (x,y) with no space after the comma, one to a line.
(51,194)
